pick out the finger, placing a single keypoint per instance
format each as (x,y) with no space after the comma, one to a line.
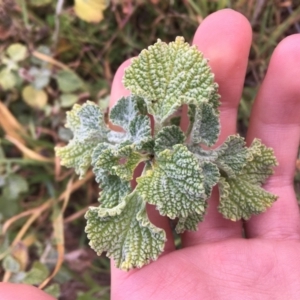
(224,37)
(118,91)
(10,291)
(275,119)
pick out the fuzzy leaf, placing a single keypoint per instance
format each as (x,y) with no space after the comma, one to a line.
(206,128)
(167,137)
(168,76)
(175,184)
(232,155)
(113,191)
(129,113)
(121,162)
(89,129)
(126,109)
(211,176)
(128,160)
(242,196)
(76,155)
(100,173)
(91,125)
(138,134)
(190,222)
(140,131)
(202,154)
(126,233)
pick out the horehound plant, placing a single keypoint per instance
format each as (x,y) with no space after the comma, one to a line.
(180,168)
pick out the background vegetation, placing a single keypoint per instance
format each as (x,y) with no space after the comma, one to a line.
(51,59)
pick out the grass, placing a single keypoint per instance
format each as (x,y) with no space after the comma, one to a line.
(41,204)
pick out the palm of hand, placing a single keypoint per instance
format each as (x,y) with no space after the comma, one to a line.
(231,269)
(216,262)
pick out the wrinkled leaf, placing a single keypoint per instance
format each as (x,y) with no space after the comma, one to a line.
(169,75)
(175,184)
(167,137)
(125,233)
(190,222)
(232,155)
(243,196)
(125,110)
(121,162)
(113,191)
(76,155)
(206,127)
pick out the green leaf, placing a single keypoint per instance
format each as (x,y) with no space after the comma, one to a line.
(113,191)
(190,222)
(39,3)
(10,264)
(100,173)
(76,155)
(15,186)
(129,114)
(87,122)
(8,79)
(175,121)
(167,76)
(211,176)
(127,109)
(232,155)
(175,184)
(206,127)
(167,137)
(67,100)
(17,52)
(37,274)
(140,131)
(128,160)
(121,162)
(53,290)
(243,196)
(68,81)
(203,154)
(126,234)
(260,167)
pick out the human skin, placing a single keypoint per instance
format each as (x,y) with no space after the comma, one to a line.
(217,262)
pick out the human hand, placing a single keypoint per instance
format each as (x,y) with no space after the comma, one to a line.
(216,262)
